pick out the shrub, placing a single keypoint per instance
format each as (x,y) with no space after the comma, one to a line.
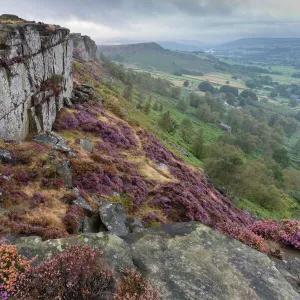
(71,219)
(45,233)
(132,286)
(286,231)
(12,266)
(77,273)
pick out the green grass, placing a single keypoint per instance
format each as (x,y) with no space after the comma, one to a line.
(167,61)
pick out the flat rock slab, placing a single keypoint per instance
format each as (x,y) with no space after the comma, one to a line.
(186,261)
(190,261)
(55,140)
(83,203)
(116,252)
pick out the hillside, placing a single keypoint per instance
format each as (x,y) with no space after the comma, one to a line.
(152,56)
(100,198)
(268,51)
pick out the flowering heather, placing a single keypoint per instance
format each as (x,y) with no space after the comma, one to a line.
(71,219)
(45,233)
(286,231)
(77,273)
(132,286)
(12,265)
(86,118)
(244,235)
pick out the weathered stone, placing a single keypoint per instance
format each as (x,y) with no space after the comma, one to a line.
(134,225)
(113,216)
(76,191)
(84,47)
(55,140)
(82,96)
(63,168)
(38,59)
(46,138)
(83,203)
(189,261)
(38,98)
(186,261)
(67,102)
(116,253)
(5,155)
(86,144)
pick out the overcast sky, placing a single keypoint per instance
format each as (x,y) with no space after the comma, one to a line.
(203,20)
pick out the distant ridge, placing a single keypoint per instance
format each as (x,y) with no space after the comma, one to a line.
(266,41)
(129,48)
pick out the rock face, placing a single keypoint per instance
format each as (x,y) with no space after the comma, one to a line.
(35,77)
(84,47)
(186,261)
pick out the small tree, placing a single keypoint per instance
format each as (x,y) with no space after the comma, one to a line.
(198,145)
(182,105)
(186,130)
(175,92)
(167,123)
(147,108)
(161,107)
(140,104)
(186,84)
(127,93)
(205,87)
(155,106)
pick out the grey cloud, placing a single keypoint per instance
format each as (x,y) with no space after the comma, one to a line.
(194,19)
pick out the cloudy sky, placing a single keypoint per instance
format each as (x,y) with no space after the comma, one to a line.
(203,20)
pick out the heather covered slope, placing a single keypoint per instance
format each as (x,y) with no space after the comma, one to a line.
(124,163)
(53,190)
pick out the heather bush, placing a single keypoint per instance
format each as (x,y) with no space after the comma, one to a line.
(86,118)
(244,235)
(46,233)
(72,217)
(12,266)
(132,286)
(286,231)
(77,273)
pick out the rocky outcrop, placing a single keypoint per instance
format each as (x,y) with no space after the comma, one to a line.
(35,77)
(186,261)
(84,47)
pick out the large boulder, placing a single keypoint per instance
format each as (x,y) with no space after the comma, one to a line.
(116,252)
(190,261)
(186,261)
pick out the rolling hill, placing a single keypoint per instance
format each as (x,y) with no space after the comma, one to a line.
(152,56)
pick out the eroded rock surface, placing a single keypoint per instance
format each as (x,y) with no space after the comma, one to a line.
(35,76)
(186,261)
(84,47)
